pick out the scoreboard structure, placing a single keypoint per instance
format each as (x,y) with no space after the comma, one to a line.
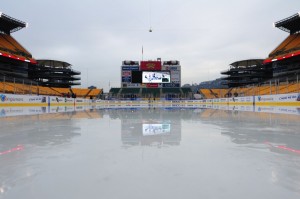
(151,74)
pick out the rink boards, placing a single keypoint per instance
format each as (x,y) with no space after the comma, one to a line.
(291,99)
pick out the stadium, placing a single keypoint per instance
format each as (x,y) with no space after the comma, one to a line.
(20,73)
(277,74)
(152,80)
(151,136)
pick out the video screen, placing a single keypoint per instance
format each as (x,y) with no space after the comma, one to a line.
(136,76)
(156,129)
(156,77)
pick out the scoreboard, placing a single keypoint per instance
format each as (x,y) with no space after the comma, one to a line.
(150,74)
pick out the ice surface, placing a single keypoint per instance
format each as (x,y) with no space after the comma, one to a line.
(84,152)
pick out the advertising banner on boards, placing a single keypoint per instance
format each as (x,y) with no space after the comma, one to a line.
(290,97)
(21,99)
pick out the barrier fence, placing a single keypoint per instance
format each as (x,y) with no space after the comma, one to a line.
(291,99)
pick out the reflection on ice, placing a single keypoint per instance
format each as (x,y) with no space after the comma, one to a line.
(86,152)
(151,126)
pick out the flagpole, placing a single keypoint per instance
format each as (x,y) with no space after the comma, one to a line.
(142,53)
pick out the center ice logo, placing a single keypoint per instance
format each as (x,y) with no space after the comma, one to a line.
(2,98)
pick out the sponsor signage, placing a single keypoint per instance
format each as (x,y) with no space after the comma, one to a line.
(130,68)
(170,68)
(152,85)
(42,99)
(132,85)
(293,97)
(171,85)
(126,79)
(150,65)
(265,98)
(10,98)
(126,73)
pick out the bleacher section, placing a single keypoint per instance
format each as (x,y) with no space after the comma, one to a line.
(145,93)
(9,45)
(171,90)
(17,88)
(207,94)
(283,88)
(115,90)
(186,91)
(130,90)
(290,45)
(95,92)
(150,92)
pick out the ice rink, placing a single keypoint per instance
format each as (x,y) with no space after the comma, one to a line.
(146,153)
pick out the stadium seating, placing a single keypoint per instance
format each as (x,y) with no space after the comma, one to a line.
(115,90)
(148,91)
(289,45)
(283,88)
(9,45)
(18,46)
(17,88)
(171,90)
(130,90)
(95,92)
(207,94)
(186,90)
(80,92)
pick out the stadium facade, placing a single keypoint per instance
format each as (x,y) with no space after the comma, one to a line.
(277,74)
(18,65)
(150,79)
(133,74)
(285,58)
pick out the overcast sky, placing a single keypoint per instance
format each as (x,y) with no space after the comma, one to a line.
(95,36)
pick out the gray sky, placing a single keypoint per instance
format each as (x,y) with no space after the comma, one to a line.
(95,36)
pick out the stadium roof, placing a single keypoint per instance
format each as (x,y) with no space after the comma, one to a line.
(9,25)
(246,63)
(290,24)
(53,63)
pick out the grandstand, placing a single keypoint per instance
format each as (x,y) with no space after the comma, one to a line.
(277,74)
(247,72)
(14,58)
(285,58)
(254,90)
(20,73)
(146,93)
(20,88)
(54,73)
(150,79)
